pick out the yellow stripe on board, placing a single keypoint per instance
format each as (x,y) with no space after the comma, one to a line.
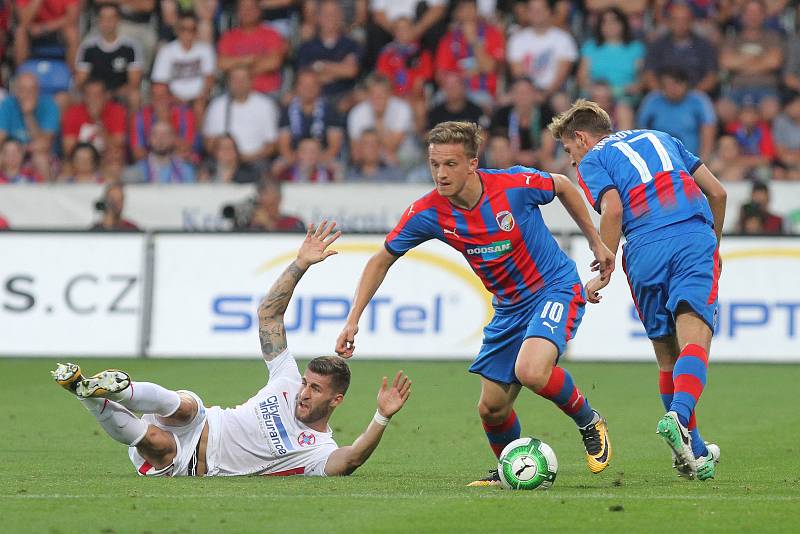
(767,252)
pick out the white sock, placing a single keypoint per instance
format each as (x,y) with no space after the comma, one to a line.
(146,397)
(116,420)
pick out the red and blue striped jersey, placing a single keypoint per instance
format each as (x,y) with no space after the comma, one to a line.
(503,237)
(652,171)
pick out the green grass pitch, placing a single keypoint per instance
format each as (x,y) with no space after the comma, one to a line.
(60,473)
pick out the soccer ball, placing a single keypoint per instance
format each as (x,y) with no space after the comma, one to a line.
(527,464)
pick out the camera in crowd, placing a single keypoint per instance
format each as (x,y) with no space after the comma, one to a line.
(262,211)
(241,213)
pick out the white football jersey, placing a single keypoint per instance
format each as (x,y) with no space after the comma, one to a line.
(262,436)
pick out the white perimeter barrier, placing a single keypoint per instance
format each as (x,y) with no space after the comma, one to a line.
(87,294)
(356,207)
(71,294)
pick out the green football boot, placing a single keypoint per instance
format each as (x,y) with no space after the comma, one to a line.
(677,437)
(706,466)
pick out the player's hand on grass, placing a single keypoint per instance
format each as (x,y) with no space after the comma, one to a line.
(345,343)
(594,286)
(603,260)
(314,247)
(391,399)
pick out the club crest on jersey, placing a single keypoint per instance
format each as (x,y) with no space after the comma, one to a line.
(306,440)
(505,221)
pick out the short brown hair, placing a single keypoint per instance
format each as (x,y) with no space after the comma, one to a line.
(584,116)
(334,367)
(463,133)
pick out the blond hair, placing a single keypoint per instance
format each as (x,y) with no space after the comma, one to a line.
(467,134)
(584,116)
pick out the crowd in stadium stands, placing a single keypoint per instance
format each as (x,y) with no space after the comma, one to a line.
(183,91)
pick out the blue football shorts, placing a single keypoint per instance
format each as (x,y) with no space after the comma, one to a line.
(553,314)
(662,273)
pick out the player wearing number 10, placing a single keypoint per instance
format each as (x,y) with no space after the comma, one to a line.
(671,209)
(492,217)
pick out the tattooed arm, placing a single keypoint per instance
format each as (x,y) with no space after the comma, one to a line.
(271,329)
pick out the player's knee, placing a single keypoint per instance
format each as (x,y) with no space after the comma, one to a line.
(188,406)
(157,447)
(187,410)
(493,414)
(691,328)
(157,441)
(533,376)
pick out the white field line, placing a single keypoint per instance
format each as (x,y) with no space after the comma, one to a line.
(408,496)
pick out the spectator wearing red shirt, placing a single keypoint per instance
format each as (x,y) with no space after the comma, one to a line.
(43,21)
(3,223)
(252,45)
(754,136)
(267,216)
(163,107)
(13,169)
(759,203)
(430,23)
(474,48)
(97,120)
(112,207)
(5,25)
(405,62)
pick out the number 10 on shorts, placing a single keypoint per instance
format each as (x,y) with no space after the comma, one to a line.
(553,311)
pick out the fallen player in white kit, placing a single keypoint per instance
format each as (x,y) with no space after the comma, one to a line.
(282,430)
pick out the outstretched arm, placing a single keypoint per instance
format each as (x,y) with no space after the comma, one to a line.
(371,279)
(572,201)
(271,329)
(344,460)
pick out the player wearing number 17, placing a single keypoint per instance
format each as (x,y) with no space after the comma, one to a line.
(492,217)
(671,209)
